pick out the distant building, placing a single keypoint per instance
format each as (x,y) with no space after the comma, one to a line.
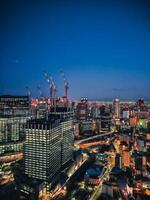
(133,121)
(143,115)
(10,101)
(140,143)
(95,112)
(141,104)
(96,125)
(82,109)
(116,108)
(105,117)
(125,114)
(76,129)
(86,127)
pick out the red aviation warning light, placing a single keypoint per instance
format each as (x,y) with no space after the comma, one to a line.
(34,102)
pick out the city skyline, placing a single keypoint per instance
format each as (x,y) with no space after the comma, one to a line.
(101,46)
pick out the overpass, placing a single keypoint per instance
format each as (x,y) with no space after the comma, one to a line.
(11,157)
(87,145)
(93,137)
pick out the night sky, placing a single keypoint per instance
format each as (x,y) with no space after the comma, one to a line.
(102,46)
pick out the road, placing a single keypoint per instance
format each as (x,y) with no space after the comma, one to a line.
(61,190)
(93,137)
(11,157)
(100,189)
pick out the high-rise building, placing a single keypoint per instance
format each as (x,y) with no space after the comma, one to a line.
(141,104)
(116,108)
(125,114)
(48,144)
(14,112)
(11,134)
(10,101)
(82,109)
(95,112)
(86,127)
(105,117)
(67,140)
(42,148)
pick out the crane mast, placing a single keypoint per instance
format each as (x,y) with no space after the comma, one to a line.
(28,91)
(66,84)
(40,91)
(52,88)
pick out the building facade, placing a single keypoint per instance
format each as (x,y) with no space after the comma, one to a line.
(48,145)
(42,149)
(11,134)
(14,112)
(116,108)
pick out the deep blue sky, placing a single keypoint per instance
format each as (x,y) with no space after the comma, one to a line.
(102,46)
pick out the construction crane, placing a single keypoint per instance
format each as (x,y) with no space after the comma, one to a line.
(54,89)
(28,91)
(40,91)
(66,84)
(52,86)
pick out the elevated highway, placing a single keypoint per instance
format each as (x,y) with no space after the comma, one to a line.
(93,137)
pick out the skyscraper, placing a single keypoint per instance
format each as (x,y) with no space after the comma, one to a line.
(11,134)
(116,108)
(14,112)
(82,109)
(48,145)
(105,117)
(42,149)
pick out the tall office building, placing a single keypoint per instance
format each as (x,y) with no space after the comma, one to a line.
(116,108)
(42,148)
(95,112)
(141,105)
(105,117)
(67,140)
(14,112)
(11,134)
(11,100)
(82,109)
(48,145)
